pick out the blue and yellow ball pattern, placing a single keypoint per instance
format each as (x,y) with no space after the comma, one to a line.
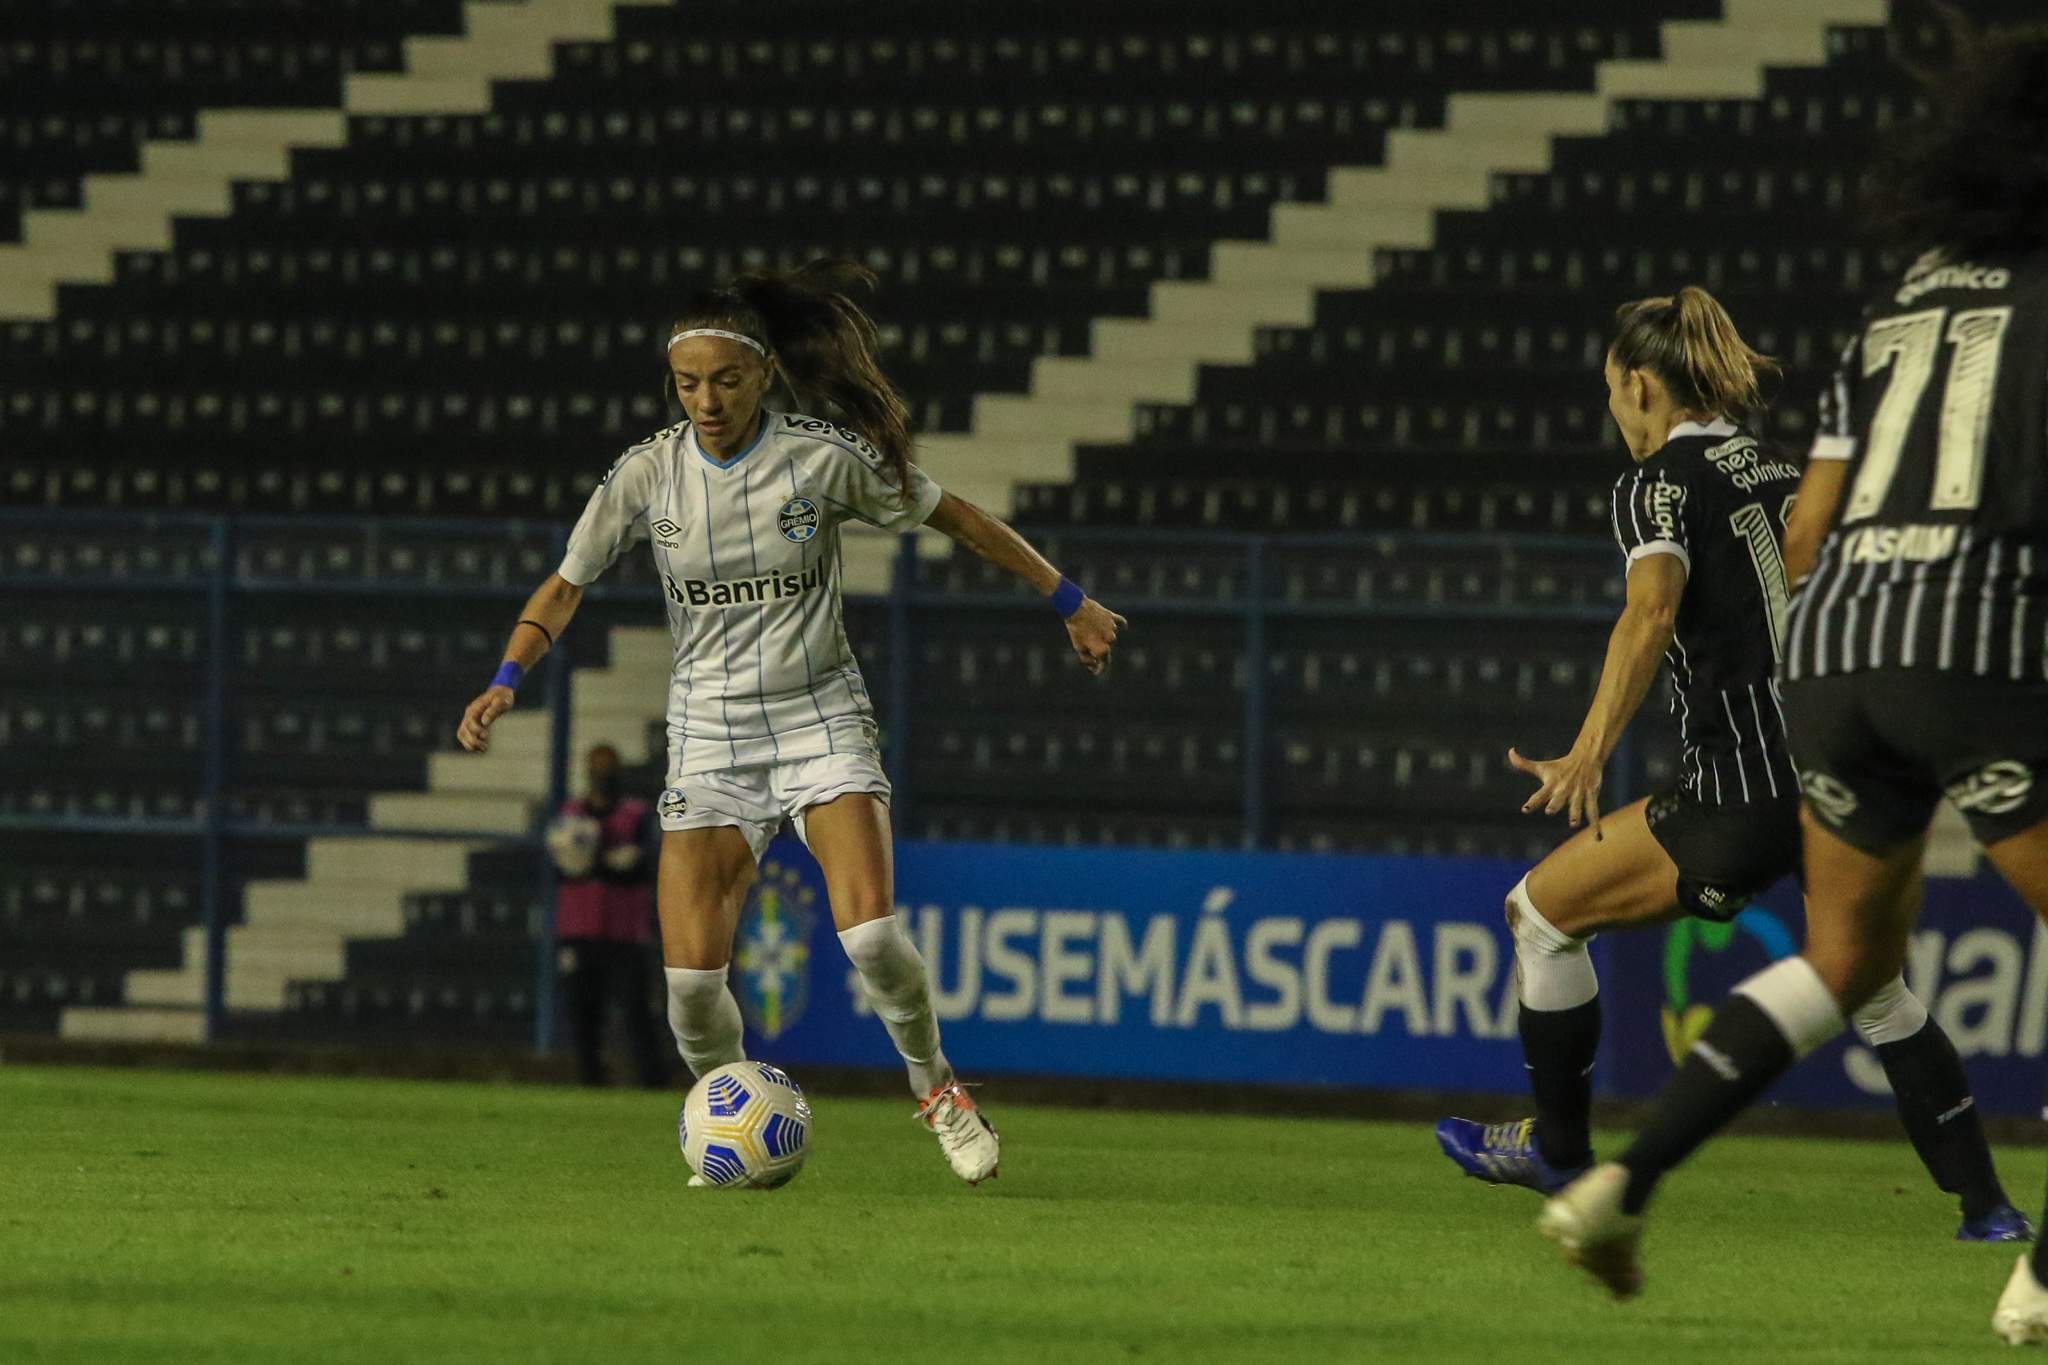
(745,1125)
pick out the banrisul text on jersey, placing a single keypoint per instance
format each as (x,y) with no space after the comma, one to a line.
(696,592)
(748,553)
(1717,500)
(1939,554)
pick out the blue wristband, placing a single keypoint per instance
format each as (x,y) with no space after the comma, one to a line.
(511,673)
(1067,597)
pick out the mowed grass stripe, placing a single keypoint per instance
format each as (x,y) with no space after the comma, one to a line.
(176,1216)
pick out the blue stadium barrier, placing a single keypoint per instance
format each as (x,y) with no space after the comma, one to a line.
(1262,968)
(1249,579)
(1978,960)
(1320,970)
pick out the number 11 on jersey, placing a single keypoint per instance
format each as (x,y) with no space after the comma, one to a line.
(1753,524)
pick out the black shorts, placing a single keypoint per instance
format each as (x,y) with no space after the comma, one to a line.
(1876,750)
(1726,855)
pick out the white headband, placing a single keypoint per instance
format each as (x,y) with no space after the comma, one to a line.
(714,332)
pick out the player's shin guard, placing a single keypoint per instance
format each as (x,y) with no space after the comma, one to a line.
(892,973)
(1772,1020)
(705,1018)
(1560,1025)
(1933,1095)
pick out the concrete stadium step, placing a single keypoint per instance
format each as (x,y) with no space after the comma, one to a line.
(355,888)
(502,40)
(1023,438)
(111,1024)
(484,812)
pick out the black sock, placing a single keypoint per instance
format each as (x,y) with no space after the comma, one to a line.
(1941,1118)
(1559,1046)
(1736,1060)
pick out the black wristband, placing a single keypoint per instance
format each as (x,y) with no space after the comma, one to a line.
(545,632)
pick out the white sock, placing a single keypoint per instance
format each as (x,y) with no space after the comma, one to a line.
(1893,1015)
(1798,1002)
(892,973)
(705,1018)
(1555,969)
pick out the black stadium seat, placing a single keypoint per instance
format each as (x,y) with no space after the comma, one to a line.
(455,318)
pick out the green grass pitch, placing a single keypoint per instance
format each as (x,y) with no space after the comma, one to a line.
(167,1217)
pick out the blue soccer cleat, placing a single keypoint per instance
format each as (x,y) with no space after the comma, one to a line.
(2003,1224)
(1503,1154)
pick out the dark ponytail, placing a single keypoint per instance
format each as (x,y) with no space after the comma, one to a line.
(1691,345)
(825,342)
(1972,176)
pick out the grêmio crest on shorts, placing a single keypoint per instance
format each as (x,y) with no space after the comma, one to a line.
(747,552)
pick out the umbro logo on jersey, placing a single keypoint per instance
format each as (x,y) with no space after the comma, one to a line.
(665,532)
(798,520)
(744,592)
(1995,789)
(1830,800)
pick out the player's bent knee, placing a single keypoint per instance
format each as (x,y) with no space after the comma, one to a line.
(1892,1015)
(1555,969)
(1854,973)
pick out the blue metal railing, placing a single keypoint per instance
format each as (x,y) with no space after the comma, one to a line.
(227,558)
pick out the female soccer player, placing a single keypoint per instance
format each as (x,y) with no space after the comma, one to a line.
(1917,657)
(767,714)
(1700,519)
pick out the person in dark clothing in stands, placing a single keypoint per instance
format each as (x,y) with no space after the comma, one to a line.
(602,846)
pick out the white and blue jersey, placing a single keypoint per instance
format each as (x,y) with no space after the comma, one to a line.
(748,555)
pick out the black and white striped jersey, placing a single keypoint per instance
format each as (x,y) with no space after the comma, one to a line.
(1717,499)
(1939,553)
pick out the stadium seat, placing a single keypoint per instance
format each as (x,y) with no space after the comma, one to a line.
(459,316)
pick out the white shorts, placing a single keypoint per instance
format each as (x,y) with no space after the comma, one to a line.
(756,800)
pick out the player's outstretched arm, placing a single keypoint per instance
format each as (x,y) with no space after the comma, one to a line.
(1813,512)
(1572,783)
(1090,625)
(546,616)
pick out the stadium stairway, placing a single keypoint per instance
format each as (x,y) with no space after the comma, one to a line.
(1077,399)
(297,931)
(503,39)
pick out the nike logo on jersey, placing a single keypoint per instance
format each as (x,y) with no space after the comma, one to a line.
(1915,544)
(743,592)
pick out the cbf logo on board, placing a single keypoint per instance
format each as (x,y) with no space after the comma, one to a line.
(798,520)
(773,952)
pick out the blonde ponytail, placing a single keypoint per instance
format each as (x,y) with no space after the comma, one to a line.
(1691,345)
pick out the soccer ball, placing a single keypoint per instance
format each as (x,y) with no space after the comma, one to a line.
(746,1126)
